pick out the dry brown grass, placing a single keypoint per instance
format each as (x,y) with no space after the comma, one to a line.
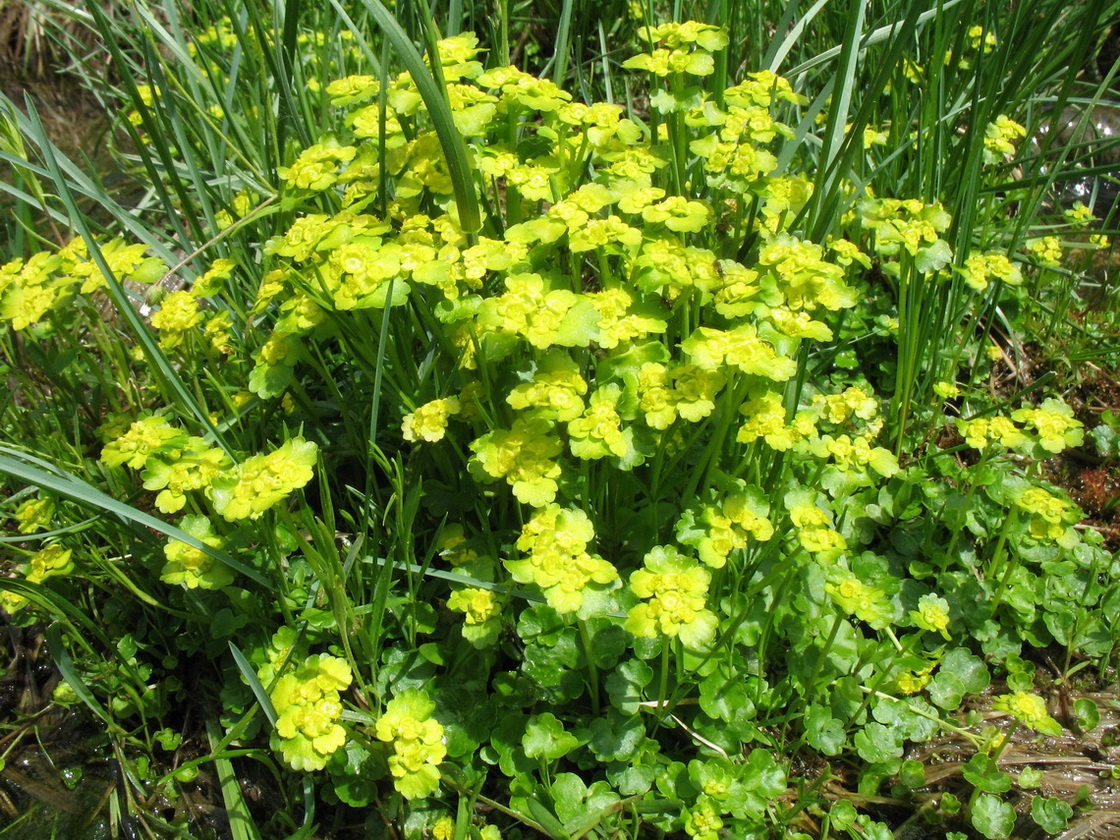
(37,40)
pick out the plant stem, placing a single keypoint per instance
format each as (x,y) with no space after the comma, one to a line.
(592,670)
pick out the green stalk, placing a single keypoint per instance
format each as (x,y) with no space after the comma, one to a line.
(592,670)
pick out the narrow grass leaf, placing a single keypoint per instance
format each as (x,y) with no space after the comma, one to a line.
(242,826)
(250,676)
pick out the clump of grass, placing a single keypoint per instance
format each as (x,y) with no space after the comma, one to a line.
(525,459)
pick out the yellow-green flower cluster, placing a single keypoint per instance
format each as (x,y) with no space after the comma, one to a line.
(523,456)
(598,431)
(673,588)
(175,464)
(702,821)
(853,596)
(556,540)
(317,167)
(1045,250)
(839,409)
(1000,138)
(1055,424)
(978,39)
(932,615)
(687,48)
(685,391)
(980,269)
(31,288)
(984,431)
(176,473)
(555,392)
(191,566)
(34,515)
(454,547)
(545,318)
(814,526)
(1029,709)
(49,561)
(45,563)
(308,709)
(260,482)
(911,682)
(482,610)
(798,270)
(711,349)
(750,322)
(733,523)
(177,315)
(417,741)
(908,226)
(857,453)
(1051,516)
(429,421)
(148,436)
(766,419)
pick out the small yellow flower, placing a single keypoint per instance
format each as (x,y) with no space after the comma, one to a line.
(34,515)
(262,481)
(674,589)
(1057,428)
(1029,709)
(417,741)
(910,683)
(932,615)
(145,437)
(429,421)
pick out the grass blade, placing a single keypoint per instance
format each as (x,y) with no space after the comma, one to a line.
(241,823)
(250,676)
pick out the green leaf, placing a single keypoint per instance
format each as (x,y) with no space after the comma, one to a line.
(633,781)
(725,698)
(548,821)
(568,793)
(961,673)
(241,823)
(65,667)
(546,738)
(1088,715)
(270,381)
(1050,813)
(983,772)
(993,817)
(912,774)
(506,740)
(608,643)
(249,674)
(763,774)
(624,686)
(904,717)
(877,744)
(842,814)
(823,731)
(616,737)
(355,773)
(1106,441)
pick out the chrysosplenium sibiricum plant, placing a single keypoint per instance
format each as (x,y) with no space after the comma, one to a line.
(596,441)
